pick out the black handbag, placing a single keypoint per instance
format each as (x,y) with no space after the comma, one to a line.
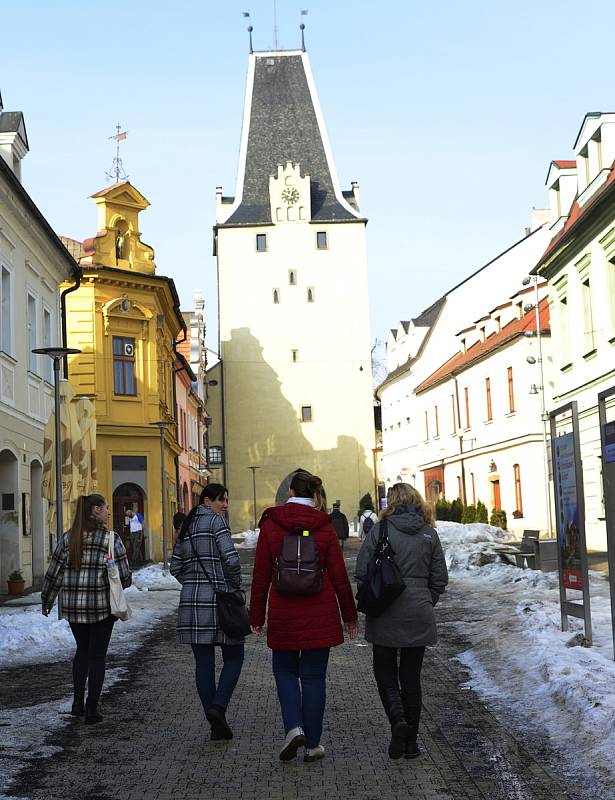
(231,606)
(383,583)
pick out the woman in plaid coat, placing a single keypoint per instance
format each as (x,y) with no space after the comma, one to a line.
(79,569)
(205,560)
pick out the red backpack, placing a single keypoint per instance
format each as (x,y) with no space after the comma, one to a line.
(297,569)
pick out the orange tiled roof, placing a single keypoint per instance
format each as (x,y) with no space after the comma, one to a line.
(183,347)
(461,361)
(565,164)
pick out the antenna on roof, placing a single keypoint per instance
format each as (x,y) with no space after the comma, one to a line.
(304,12)
(275,25)
(117,169)
(246,14)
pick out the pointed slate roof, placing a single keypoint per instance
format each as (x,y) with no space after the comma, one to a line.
(283,122)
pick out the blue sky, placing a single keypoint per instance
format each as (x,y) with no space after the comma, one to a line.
(446,113)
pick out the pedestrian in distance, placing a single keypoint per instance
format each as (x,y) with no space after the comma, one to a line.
(367,520)
(78,570)
(178,521)
(305,597)
(401,633)
(135,523)
(340,523)
(205,561)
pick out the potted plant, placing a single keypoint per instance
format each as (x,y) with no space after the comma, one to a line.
(15,582)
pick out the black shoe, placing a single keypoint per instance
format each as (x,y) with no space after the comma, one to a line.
(92,716)
(216,736)
(399,734)
(217,720)
(78,707)
(412,750)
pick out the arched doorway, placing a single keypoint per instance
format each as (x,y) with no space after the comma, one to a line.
(37,523)
(127,497)
(9,516)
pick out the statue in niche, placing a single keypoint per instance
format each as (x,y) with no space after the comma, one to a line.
(120,241)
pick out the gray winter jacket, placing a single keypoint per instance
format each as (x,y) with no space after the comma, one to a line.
(409,621)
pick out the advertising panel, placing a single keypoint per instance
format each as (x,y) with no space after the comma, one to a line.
(568,523)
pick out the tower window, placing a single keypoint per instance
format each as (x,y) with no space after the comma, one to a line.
(276,296)
(295,355)
(321,240)
(306,413)
(310,295)
(261,242)
(292,277)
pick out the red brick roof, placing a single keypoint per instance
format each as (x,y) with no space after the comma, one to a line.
(462,361)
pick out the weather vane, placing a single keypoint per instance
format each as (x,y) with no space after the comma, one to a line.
(250,28)
(117,170)
(304,12)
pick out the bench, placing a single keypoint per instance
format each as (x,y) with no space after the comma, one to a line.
(532,552)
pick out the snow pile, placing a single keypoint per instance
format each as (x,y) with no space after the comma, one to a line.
(246,540)
(153,579)
(533,673)
(465,545)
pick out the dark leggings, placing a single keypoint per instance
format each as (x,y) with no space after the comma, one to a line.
(405,675)
(205,673)
(89,662)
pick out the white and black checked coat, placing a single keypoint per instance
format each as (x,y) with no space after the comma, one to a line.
(85,591)
(197,617)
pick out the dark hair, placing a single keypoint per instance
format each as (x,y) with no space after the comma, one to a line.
(178,518)
(82,521)
(213,491)
(305,485)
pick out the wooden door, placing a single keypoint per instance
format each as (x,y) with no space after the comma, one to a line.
(497,499)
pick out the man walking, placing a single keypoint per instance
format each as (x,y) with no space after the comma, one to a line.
(135,521)
(340,523)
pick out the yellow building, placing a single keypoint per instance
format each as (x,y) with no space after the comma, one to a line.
(125,319)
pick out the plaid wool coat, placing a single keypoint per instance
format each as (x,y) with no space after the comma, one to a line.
(85,591)
(197,616)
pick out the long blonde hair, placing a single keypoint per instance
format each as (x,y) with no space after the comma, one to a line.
(404,494)
(82,521)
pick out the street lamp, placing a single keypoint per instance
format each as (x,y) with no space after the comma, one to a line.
(254,468)
(57,354)
(162,426)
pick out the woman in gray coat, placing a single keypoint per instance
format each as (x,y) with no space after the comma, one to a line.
(399,636)
(205,560)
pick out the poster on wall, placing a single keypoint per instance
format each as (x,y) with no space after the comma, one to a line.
(568,522)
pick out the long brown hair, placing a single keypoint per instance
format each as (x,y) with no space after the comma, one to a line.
(404,494)
(82,521)
(305,485)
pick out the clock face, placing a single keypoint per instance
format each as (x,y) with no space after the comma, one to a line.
(290,196)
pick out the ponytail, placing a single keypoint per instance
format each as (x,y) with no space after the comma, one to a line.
(82,521)
(304,484)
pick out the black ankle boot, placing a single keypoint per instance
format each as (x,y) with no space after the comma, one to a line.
(91,714)
(220,728)
(413,716)
(78,706)
(399,726)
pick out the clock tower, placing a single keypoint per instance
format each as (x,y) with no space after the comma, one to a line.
(294,381)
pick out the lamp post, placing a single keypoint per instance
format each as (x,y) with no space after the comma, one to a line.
(162,426)
(57,354)
(254,468)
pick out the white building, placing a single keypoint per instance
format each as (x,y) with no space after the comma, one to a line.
(579,265)
(422,344)
(33,262)
(295,377)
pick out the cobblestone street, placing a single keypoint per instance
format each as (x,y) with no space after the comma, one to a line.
(153,742)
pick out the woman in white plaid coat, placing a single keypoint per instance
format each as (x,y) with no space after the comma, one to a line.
(205,560)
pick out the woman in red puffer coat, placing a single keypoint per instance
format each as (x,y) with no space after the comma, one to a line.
(301,629)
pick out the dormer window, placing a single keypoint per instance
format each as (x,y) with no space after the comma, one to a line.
(292,277)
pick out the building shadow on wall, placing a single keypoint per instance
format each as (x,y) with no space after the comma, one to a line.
(275,441)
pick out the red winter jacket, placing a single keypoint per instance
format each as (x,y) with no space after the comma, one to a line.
(300,622)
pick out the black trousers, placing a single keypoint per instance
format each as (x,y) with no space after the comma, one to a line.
(398,677)
(89,662)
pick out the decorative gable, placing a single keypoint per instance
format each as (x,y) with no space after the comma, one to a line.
(289,195)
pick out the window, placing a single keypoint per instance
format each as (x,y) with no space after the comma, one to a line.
(294,355)
(459,487)
(564,332)
(276,296)
(292,277)
(589,343)
(124,366)
(321,240)
(261,242)
(466,394)
(518,497)
(214,455)
(454,413)
(48,363)
(5,311)
(31,323)
(426,427)
(488,398)
(310,295)
(306,413)
(473,489)
(511,391)
(437,423)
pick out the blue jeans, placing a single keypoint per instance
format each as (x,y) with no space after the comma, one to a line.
(205,660)
(300,676)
